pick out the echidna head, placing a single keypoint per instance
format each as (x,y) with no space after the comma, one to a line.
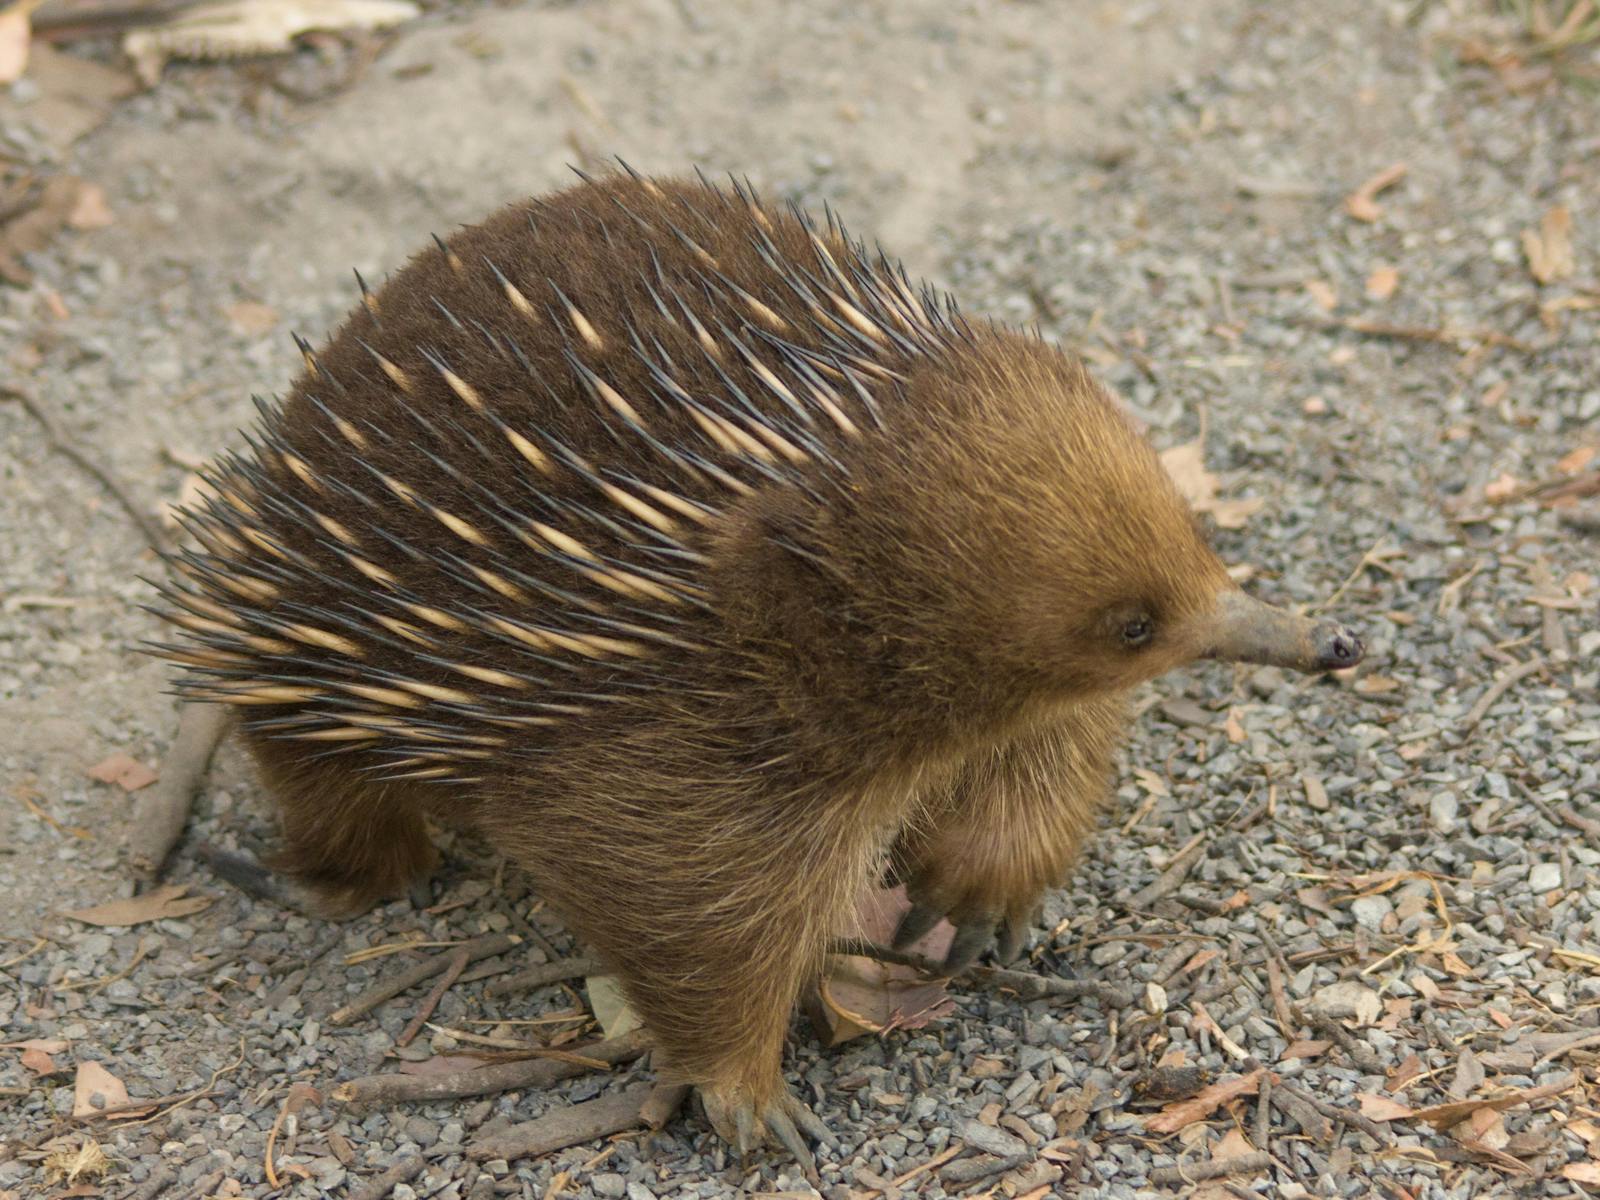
(1012,538)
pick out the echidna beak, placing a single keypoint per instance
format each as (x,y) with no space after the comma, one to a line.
(1243,629)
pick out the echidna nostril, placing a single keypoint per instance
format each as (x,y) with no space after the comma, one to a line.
(1341,648)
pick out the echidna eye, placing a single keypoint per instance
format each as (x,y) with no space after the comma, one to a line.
(1136,631)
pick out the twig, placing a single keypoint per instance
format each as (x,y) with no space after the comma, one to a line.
(452,972)
(483,947)
(964,1174)
(67,448)
(1498,688)
(1360,1053)
(565,1127)
(1026,984)
(543,975)
(1316,1126)
(160,1179)
(143,1105)
(162,810)
(1217,1168)
(1172,878)
(532,1073)
(1458,339)
(1347,1116)
(379,1186)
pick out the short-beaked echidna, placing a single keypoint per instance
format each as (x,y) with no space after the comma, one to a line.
(707,565)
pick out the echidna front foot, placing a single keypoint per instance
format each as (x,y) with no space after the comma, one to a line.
(747,1125)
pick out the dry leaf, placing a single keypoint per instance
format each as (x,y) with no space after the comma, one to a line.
(16,32)
(1232,514)
(1501,489)
(90,211)
(1443,1116)
(1151,782)
(126,772)
(250,317)
(249,28)
(1549,248)
(611,1007)
(1383,1108)
(1362,203)
(1186,1112)
(1376,685)
(1233,728)
(95,1090)
(1322,294)
(67,1165)
(1382,283)
(859,996)
(1186,465)
(1405,1072)
(1576,460)
(1305,1049)
(39,1061)
(1232,1145)
(167,901)
(1586,1173)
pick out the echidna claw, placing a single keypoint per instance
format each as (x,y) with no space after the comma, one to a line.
(785,1120)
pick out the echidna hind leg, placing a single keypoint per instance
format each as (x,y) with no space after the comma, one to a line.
(349,841)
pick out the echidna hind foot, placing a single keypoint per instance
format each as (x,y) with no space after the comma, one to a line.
(349,841)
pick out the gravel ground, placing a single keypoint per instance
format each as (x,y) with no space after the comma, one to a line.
(1384,891)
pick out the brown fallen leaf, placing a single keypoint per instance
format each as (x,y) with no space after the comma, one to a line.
(1186,1112)
(167,901)
(126,772)
(1322,294)
(1186,465)
(16,34)
(1549,248)
(1586,1173)
(859,996)
(1383,281)
(90,210)
(1306,1048)
(1383,1108)
(1362,203)
(1406,1071)
(39,1061)
(1443,1116)
(251,317)
(1233,728)
(1231,1145)
(1575,461)
(1501,489)
(96,1089)
(75,94)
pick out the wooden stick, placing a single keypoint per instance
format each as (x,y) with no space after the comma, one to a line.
(161,810)
(569,1126)
(452,972)
(483,947)
(1217,1168)
(544,974)
(1026,984)
(69,449)
(528,1073)
(664,1102)
(379,1186)
(1498,688)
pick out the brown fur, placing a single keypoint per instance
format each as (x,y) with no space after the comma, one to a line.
(898,621)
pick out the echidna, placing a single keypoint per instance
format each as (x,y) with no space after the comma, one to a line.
(708,565)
